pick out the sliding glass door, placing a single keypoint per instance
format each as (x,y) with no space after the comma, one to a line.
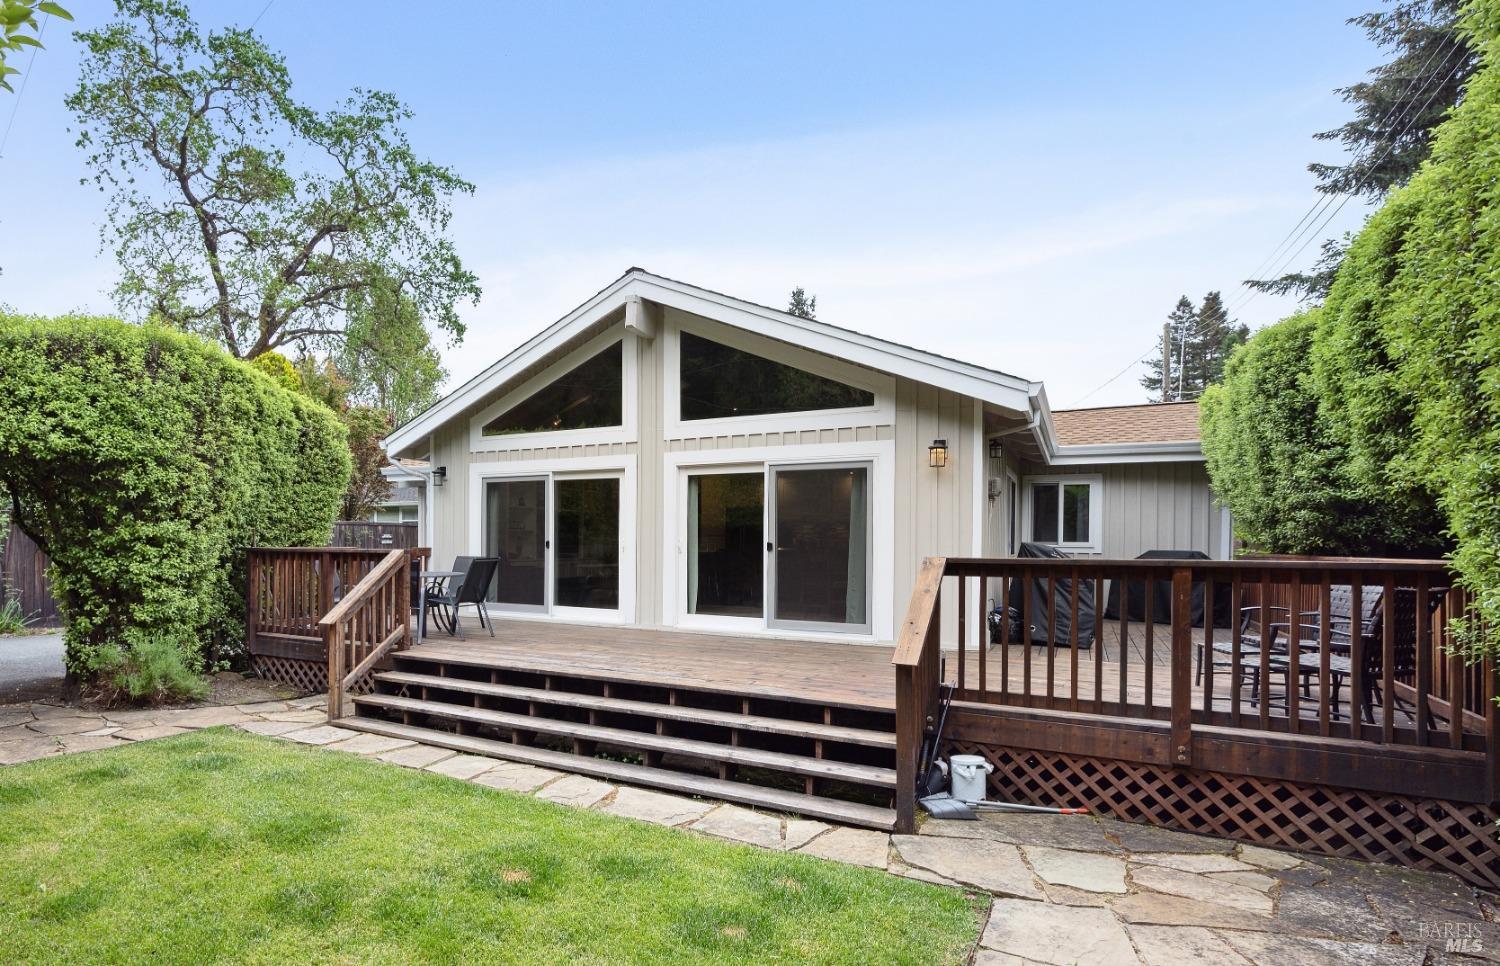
(821,530)
(516,532)
(779,546)
(558,542)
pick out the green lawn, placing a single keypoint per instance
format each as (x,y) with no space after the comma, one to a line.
(225,846)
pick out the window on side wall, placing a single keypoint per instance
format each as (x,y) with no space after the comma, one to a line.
(1064,512)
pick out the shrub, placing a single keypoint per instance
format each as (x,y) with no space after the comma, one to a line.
(1270,457)
(144,462)
(156,667)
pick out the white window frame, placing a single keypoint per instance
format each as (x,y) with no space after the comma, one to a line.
(883,385)
(629,401)
(1095,484)
(880,454)
(589,467)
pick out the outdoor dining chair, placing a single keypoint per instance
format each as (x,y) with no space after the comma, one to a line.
(471,589)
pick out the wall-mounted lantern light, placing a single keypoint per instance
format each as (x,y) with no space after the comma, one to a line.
(937,454)
(997,449)
(440,476)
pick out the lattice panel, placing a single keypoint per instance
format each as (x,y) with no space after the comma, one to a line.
(1418,833)
(310,676)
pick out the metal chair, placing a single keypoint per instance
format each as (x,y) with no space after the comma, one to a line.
(473,589)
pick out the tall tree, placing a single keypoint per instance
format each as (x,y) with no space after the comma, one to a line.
(1216,336)
(387,356)
(1395,112)
(19,29)
(193,135)
(802,304)
(1180,324)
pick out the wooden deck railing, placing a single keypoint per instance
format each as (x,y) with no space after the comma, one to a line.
(290,591)
(370,621)
(1374,686)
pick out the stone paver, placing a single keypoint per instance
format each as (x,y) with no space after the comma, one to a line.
(742,825)
(203,717)
(417,756)
(1081,833)
(77,743)
(1148,838)
(992,866)
(1201,887)
(1272,948)
(363,743)
(270,729)
(799,831)
(1173,945)
(320,735)
(1192,862)
(513,776)
(463,767)
(657,807)
(66,724)
(856,846)
(149,732)
(1088,871)
(1064,935)
(28,749)
(576,790)
(303,715)
(1269,858)
(1160,909)
(1258,881)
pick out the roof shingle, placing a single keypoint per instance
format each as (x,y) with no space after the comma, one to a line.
(1106,425)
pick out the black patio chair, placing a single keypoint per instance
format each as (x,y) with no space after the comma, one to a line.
(471,589)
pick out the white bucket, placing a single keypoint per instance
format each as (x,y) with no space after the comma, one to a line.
(967,774)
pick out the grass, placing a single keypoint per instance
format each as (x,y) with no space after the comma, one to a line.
(223,846)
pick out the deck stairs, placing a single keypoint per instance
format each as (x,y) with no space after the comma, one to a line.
(781,753)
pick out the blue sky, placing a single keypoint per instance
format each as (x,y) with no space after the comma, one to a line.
(1026,186)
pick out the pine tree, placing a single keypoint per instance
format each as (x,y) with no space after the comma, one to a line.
(1201,340)
(1181,321)
(802,304)
(1395,112)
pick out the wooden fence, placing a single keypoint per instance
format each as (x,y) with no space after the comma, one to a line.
(1323,709)
(374,536)
(23,571)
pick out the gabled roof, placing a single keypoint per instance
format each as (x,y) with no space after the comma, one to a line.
(1153,423)
(998,388)
(1154,432)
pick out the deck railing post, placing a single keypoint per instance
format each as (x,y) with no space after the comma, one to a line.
(333,643)
(1182,667)
(252,598)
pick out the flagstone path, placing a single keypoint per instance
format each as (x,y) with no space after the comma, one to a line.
(1066,889)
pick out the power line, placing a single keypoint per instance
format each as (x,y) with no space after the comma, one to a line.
(1322,204)
(262,13)
(14,108)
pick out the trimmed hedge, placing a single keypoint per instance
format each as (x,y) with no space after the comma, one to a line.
(1404,362)
(144,461)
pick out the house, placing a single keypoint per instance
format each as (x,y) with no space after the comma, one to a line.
(407,496)
(669,456)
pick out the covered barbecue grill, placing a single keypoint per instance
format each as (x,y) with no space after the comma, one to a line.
(1038,613)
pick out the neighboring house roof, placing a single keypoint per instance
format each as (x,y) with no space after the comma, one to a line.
(637,284)
(1155,431)
(403,495)
(1154,423)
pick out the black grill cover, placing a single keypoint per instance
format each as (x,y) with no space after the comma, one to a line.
(1161,595)
(1036,605)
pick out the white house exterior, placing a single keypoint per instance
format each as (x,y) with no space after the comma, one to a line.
(668,456)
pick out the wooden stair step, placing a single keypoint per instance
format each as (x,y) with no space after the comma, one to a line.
(829,809)
(667,712)
(709,750)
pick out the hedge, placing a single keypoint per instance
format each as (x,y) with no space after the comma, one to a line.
(1404,359)
(145,461)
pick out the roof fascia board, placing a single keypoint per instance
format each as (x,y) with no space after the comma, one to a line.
(517,360)
(978,383)
(1172,452)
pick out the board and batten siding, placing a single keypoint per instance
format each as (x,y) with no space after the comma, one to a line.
(1152,506)
(934,508)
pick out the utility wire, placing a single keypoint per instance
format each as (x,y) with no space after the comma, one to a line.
(1323,204)
(262,13)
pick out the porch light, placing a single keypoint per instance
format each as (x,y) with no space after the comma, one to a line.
(937,454)
(439,476)
(997,448)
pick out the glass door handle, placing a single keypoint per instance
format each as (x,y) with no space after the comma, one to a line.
(770,547)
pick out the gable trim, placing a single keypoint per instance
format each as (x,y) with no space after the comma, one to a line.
(888,357)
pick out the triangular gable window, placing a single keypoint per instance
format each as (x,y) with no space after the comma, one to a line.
(589,396)
(719,381)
